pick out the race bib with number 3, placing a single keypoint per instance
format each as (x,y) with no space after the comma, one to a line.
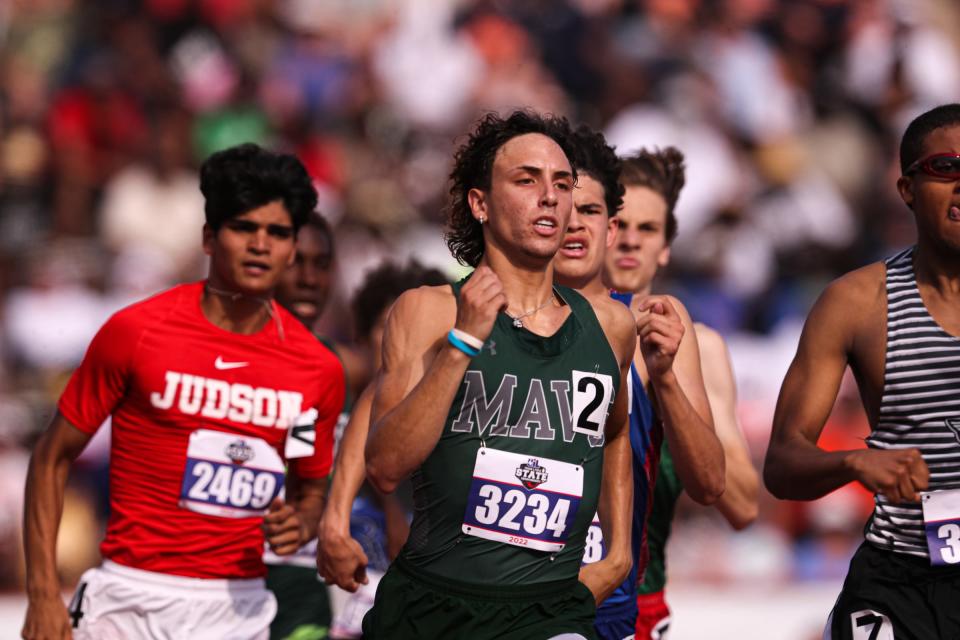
(230,476)
(941,521)
(522,500)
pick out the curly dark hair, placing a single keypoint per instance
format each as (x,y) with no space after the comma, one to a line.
(661,170)
(383,285)
(595,158)
(473,168)
(911,146)
(247,176)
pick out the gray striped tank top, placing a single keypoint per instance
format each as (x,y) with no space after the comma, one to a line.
(920,406)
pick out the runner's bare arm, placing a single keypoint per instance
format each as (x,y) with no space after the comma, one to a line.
(340,559)
(615,509)
(416,385)
(673,362)
(50,464)
(421,372)
(795,467)
(738,504)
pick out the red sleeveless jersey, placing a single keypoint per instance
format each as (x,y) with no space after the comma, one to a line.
(201,419)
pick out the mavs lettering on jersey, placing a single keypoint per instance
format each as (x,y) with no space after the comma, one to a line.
(585,415)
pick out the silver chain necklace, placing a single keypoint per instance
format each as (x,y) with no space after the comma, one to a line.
(518,320)
(236,295)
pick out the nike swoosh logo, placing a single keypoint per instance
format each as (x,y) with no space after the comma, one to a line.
(223,366)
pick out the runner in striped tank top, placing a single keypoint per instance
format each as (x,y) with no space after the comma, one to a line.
(897,324)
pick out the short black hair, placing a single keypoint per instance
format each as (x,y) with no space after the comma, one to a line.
(661,170)
(473,168)
(594,157)
(383,285)
(911,145)
(247,176)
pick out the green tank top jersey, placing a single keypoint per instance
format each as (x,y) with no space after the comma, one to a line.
(666,492)
(537,405)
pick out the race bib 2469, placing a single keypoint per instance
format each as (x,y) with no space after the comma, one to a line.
(230,476)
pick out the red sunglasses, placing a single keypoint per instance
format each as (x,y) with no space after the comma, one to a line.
(940,165)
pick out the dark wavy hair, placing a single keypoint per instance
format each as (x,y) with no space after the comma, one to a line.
(383,285)
(245,177)
(595,158)
(911,145)
(662,171)
(473,168)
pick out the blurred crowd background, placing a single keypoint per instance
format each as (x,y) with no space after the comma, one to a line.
(789,113)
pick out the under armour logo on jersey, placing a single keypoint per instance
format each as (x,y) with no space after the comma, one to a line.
(954,425)
(490,344)
(223,365)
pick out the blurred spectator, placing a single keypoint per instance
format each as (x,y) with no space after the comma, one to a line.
(157,204)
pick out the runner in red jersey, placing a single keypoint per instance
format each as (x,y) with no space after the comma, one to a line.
(211,388)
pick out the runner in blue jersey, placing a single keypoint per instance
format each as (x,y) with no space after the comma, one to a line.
(646,227)
(579,264)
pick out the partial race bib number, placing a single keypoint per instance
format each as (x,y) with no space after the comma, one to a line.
(593,549)
(592,395)
(230,476)
(302,436)
(522,500)
(870,625)
(941,521)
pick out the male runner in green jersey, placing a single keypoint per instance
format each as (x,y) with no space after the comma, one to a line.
(646,227)
(503,398)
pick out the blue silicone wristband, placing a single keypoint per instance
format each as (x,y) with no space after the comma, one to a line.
(462,346)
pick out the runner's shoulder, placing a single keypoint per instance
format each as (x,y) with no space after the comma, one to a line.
(851,306)
(710,341)
(856,294)
(301,343)
(425,310)
(617,322)
(131,321)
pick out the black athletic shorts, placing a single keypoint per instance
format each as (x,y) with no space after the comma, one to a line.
(411,605)
(889,596)
(303,608)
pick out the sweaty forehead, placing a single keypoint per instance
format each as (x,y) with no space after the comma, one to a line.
(643,204)
(531,149)
(588,191)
